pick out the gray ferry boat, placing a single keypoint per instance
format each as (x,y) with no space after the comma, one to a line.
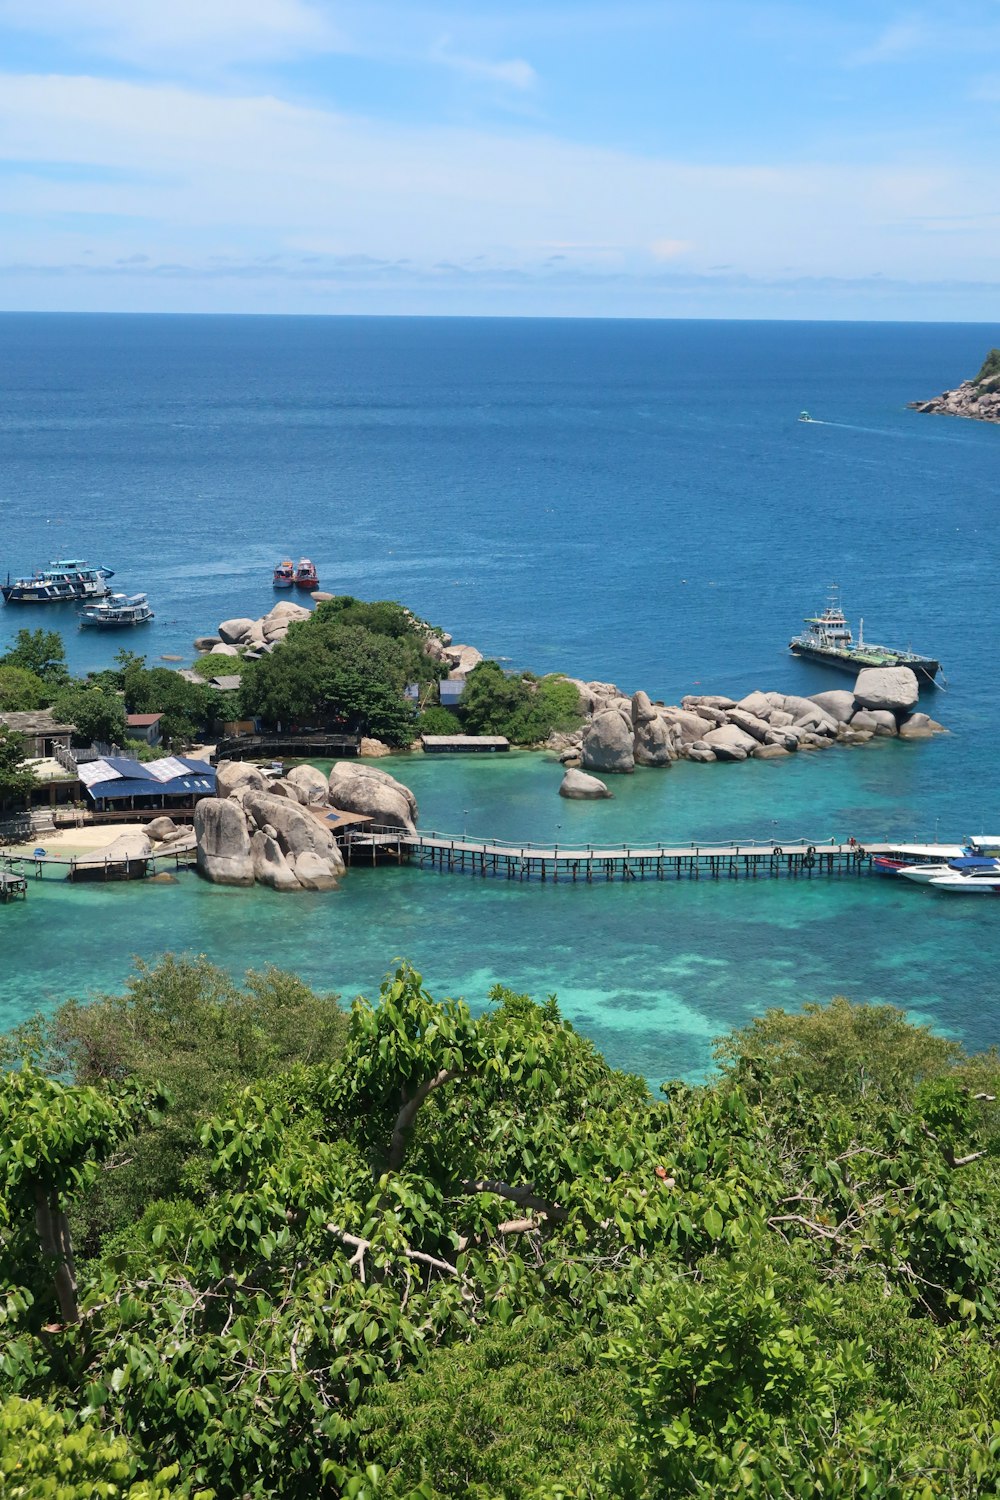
(828,639)
(61,582)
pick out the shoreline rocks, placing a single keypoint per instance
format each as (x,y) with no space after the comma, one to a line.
(258,832)
(621,732)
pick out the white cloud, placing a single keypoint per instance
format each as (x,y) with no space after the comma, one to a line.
(898,40)
(513,72)
(181,174)
(162,33)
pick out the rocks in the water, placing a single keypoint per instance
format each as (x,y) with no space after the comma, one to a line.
(133,844)
(757,704)
(838,704)
(749,723)
(651,743)
(892,688)
(312,784)
(270,867)
(206,642)
(230,774)
(223,842)
(769,752)
(161,828)
(701,752)
(729,742)
(374,794)
(581,787)
(710,700)
(235,632)
(920,727)
(608,743)
(373,749)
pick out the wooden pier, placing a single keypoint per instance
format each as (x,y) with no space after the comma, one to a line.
(12,885)
(509,861)
(95,866)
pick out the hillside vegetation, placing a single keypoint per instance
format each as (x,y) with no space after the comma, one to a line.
(414,1252)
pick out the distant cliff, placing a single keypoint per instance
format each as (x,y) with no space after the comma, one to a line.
(978,398)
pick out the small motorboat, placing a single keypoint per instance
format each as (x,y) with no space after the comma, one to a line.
(306,576)
(969,883)
(117,611)
(805,417)
(882,864)
(284,574)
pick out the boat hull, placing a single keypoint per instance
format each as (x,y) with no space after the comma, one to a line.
(925,667)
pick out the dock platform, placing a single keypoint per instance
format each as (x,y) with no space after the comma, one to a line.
(12,885)
(495,857)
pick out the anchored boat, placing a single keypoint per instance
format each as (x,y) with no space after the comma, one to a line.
(828,639)
(306,576)
(118,610)
(284,574)
(59,583)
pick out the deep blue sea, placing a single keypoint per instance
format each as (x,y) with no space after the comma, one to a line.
(634,501)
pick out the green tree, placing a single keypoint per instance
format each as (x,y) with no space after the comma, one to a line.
(21,691)
(16,778)
(523,708)
(188,708)
(185,1026)
(41,652)
(96,715)
(344,672)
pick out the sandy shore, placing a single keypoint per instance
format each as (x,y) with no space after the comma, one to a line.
(68,841)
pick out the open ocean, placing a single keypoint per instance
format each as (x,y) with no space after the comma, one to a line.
(632,501)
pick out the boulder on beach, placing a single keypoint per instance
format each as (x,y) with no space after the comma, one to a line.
(223,842)
(893,688)
(608,743)
(372,748)
(374,794)
(296,830)
(578,786)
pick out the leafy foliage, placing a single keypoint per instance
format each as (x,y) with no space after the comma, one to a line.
(21,691)
(41,652)
(524,708)
(96,715)
(438,720)
(16,778)
(990,368)
(459,1255)
(47,1455)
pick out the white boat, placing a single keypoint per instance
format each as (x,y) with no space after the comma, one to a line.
(118,610)
(981,883)
(924,874)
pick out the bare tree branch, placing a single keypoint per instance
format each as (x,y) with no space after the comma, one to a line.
(408,1113)
(524,1196)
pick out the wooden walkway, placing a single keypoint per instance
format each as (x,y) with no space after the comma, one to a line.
(12,884)
(495,857)
(96,866)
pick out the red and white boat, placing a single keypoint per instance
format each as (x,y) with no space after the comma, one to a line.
(284,574)
(306,576)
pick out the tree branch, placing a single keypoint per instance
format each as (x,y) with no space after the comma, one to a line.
(408,1113)
(362,1246)
(524,1196)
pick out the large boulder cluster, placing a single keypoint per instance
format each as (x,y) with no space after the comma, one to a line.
(261,831)
(622,732)
(242,636)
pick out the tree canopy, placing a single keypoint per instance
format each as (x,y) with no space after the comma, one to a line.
(38,651)
(524,708)
(22,691)
(16,778)
(458,1255)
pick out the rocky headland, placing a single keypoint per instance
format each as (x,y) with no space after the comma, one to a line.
(622,732)
(978,398)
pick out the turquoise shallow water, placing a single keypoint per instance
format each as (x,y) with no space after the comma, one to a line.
(633,501)
(652,971)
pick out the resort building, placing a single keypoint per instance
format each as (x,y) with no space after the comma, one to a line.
(145,727)
(43,735)
(115,784)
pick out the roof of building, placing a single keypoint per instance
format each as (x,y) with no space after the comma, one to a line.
(142,721)
(172,776)
(225,684)
(39,722)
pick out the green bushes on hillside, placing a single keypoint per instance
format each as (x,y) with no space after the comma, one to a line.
(418,1252)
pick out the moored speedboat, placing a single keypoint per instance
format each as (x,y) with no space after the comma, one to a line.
(969,882)
(306,576)
(284,574)
(59,583)
(118,610)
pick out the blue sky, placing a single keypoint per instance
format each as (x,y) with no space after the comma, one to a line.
(706,158)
